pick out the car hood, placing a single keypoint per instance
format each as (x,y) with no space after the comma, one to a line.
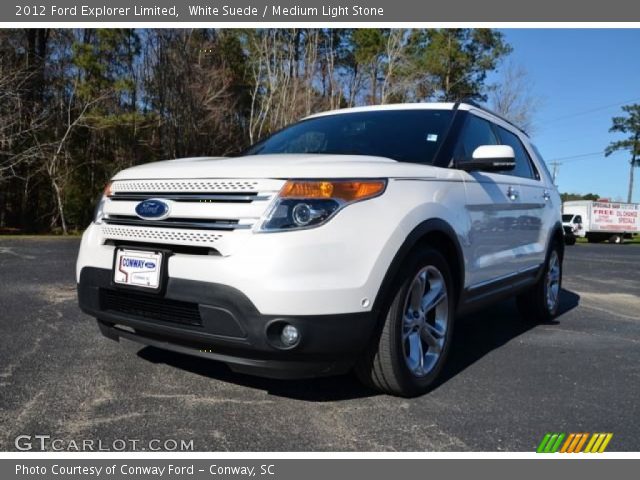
(283,166)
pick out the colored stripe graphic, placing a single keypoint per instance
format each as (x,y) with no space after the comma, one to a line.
(543,443)
(599,440)
(581,443)
(592,440)
(550,443)
(607,439)
(598,443)
(579,437)
(567,442)
(574,443)
(556,445)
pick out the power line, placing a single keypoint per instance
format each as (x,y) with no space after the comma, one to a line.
(545,125)
(556,163)
(591,110)
(580,156)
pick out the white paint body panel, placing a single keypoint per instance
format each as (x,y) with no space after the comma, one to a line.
(337,267)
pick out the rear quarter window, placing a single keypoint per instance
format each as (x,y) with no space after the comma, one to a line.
(541,162)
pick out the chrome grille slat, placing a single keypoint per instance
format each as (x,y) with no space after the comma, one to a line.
(193,224)
(189,197)
(181,186)
(164,235)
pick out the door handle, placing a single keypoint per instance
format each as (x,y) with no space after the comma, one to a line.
(512,193)
(546,195)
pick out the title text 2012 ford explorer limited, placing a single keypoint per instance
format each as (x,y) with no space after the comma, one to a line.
(349,240)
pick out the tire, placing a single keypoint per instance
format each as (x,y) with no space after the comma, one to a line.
(391,364)
(617,239)
(540,303)
(570,240)
(593,238)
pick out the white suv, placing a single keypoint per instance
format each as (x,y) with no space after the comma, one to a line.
(351,239)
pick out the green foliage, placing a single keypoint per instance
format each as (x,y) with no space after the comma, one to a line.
(105,60)
(629,125)
(80,104)
(455,62)
(577,196)
(368,45)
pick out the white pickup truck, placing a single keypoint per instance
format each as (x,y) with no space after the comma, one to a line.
(349,240)
(600,221)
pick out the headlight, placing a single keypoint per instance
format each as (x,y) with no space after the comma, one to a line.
(98,214)
(310,203)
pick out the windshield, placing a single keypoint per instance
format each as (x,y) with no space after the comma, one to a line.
(566,218)
(402,135)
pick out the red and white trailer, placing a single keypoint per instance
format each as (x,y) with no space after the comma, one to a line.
(601,220)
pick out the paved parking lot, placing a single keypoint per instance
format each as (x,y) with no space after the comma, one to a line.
(505,386)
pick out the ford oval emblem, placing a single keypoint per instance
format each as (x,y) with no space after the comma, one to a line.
(152,209)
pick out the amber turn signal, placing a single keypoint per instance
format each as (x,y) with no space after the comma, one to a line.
(345,190)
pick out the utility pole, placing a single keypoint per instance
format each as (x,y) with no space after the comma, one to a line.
(556,166)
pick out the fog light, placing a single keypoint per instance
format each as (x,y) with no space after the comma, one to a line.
(290,335)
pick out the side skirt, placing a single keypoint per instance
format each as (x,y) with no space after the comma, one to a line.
(479,296)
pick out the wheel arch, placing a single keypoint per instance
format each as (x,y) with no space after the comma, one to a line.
(557,235)
(436,233)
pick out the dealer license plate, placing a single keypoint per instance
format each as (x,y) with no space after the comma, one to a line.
(138,268)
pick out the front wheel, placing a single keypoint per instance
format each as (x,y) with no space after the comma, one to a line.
(540,303)
(406,357)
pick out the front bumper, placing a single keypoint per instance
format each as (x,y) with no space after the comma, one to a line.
(335,269)
(219,322)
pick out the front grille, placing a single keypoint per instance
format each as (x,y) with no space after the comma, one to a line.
(149,307)
(188,223)
(180,249)
(234,197)
(181,186)
(168,235)
(210,213)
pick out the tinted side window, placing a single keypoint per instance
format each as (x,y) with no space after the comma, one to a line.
(541,163)
(523,162)
(475,133)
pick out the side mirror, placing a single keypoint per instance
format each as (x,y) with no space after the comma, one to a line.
(490,158)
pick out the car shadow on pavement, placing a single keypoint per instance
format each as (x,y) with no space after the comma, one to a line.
(476,335)
(323,389)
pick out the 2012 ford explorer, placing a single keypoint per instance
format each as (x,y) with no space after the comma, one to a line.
(350,240)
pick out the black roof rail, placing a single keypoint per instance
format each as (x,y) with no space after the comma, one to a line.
(473,103)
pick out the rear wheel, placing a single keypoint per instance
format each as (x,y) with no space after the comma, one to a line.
(617,239)
(540,303)
(408,354)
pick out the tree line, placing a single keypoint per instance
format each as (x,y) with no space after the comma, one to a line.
(77,105)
